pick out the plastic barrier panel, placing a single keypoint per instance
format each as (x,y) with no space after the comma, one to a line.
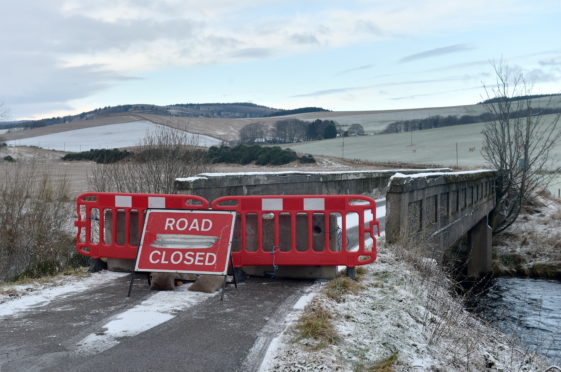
(324,230)
(110,224)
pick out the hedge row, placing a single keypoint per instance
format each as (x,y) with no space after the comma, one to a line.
(103,156)
(243,154)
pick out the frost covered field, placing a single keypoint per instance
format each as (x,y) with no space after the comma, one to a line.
(433,146)
(105,137)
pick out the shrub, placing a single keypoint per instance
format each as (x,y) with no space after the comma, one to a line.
(100,156)
(33,214)
(307,159)
(9,158)
(243,154)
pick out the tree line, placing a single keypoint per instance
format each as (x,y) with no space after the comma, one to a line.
(295,130)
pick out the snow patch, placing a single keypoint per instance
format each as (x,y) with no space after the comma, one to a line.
(434,174)
(106,137)
(208,175)
(157,309)
(40,294)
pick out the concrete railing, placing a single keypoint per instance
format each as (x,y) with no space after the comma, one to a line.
(441,208)
(213,185)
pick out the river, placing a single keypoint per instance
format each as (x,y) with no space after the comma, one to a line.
(527,309)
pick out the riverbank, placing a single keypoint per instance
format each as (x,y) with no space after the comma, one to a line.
(402,318)
(531,247)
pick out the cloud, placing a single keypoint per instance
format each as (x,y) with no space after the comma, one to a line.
(400,98)
(251,53)
(436,52)
(70,49)
(462,65)
(304,39)
(325,92)
(354,69)
(556,61)
(329,91)
(540,76)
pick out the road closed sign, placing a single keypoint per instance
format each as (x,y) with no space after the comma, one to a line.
(189,241)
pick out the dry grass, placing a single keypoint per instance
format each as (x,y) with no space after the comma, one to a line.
(339,287)
(316,323)
(7,289)
(386,365)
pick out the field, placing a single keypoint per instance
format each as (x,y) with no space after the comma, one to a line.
(430,147)
(105,137)
(228,129)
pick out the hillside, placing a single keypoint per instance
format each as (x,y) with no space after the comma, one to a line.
(203,110)
(217,124)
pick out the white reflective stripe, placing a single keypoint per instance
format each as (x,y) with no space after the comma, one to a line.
(123,201)
(156,202)
(314,204)
(271,204)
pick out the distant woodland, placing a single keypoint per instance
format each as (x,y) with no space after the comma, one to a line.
(294,130)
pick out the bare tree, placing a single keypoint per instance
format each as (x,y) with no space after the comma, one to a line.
(162,157)
(3,111)
(518,142)
(252,133)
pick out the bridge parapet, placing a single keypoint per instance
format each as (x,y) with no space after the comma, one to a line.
(214,185)
(442,207)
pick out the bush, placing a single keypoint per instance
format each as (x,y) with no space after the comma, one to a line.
(33,214)
(100,156)
(243,154)
(9,158)
(307,159)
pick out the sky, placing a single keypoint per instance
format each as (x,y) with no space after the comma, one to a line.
(62,57)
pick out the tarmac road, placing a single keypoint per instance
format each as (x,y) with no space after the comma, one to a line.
(211,336)
(232,335)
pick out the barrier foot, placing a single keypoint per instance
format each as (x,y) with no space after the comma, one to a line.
(234,273)
(223,288)
(240,275)
(351,272)
(130,284)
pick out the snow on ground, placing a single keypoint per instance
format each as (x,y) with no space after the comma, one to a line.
(157,309)
(106,137)
(401,311)
(534,239)
(15,299)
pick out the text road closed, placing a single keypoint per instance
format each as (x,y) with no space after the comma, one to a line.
(186,241)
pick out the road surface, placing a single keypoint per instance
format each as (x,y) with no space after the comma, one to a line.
(210,335)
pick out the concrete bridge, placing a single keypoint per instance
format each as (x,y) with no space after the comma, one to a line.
(437,208)
(448,212)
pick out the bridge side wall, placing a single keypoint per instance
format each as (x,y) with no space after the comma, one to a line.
(214,185)
(441,208)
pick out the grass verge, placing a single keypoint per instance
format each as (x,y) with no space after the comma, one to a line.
(317,323)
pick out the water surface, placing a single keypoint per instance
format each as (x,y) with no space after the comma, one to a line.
(527,309)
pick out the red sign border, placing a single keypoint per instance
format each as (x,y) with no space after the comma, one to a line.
(233,213)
